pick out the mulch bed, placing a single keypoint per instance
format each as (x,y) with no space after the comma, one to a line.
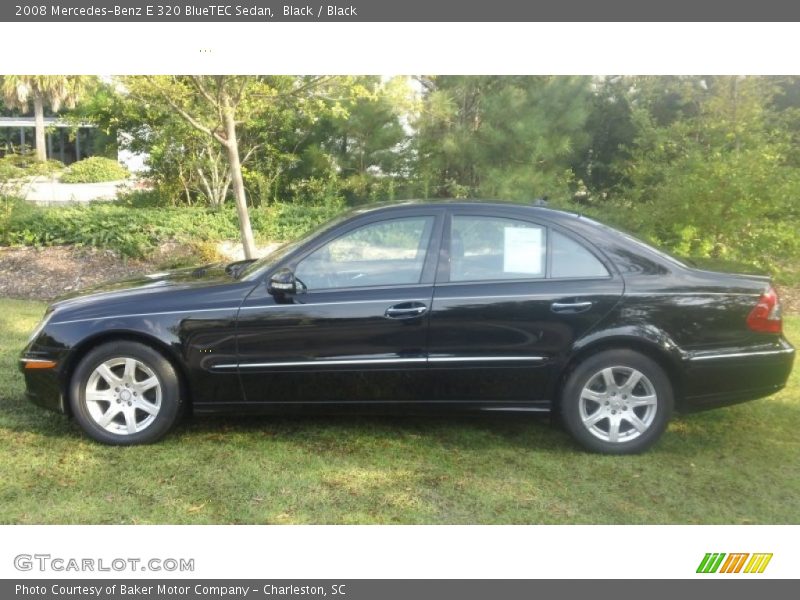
(46,273)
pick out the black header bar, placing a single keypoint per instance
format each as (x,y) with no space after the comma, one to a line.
(399,11)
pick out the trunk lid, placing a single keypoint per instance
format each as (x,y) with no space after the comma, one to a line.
(728,267)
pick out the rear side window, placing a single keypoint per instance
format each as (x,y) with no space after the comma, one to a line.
(485,248)
(571,259)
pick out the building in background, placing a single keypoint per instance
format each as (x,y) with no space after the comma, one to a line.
(67,141)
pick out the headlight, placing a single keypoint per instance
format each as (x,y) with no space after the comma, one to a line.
(35,333)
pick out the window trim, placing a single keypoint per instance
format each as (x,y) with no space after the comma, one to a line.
(428,264)
(447,245)
(443,271)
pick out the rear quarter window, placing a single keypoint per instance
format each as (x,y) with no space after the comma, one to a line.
(572,259)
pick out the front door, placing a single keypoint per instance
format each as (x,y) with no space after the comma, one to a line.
(356,331)
(511,298)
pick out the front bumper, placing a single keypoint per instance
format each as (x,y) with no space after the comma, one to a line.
(721,378)
(43,385)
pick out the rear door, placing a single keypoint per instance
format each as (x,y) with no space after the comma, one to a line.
(511,296)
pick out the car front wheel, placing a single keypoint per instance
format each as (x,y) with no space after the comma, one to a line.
(125,393)
(617,402)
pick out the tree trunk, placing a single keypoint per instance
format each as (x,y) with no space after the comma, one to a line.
(38,111)
(232,147)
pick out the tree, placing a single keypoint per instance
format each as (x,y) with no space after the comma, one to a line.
(211,105)
(500,136)
(366,147)
(218,106)
(715,175)
(54,90)
(185,164)
(611,131)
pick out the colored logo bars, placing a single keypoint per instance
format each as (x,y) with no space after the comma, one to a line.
(713,562)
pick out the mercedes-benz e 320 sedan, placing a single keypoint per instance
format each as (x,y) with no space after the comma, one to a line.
(450,305)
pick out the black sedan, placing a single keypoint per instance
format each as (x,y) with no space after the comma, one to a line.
(450,305)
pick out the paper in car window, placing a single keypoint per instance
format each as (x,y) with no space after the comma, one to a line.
(523,250)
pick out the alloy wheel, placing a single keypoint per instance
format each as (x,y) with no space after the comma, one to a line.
(123,395)
(618,404)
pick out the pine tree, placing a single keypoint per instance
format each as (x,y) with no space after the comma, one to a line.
(501,136)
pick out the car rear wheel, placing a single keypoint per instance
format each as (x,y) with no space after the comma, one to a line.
(617,402)
(125,393)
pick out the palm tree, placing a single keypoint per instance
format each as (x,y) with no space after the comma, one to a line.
(56,90)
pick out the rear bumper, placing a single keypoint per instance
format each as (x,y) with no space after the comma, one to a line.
(721,378)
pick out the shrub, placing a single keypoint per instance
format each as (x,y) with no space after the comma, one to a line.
(286,221)
(27,164)
(134,231)
(762,245)
(46,168)
(94,170)
(23,161)
(11,208)
(205,252)
(9,170)
(147,198)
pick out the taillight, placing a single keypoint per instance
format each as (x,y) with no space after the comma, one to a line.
(766,316)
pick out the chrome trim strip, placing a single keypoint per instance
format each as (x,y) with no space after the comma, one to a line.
(204,406)
(458,359)
(516,409)
(318,363)
(379,361)
(742,354)
(698,293)
(37,360)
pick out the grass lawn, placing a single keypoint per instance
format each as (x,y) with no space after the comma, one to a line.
(733,465)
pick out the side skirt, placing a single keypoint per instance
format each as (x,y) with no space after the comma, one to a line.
(384,407)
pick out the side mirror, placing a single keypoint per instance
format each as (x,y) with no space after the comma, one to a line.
(282,282)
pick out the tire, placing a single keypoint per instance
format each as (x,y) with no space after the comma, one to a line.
(617,402)
(125,393)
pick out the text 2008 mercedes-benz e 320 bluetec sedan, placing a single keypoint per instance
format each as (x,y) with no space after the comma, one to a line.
(450,305)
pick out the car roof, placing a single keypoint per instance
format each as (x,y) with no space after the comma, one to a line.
(531,209)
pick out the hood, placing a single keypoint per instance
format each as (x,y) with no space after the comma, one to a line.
(153,283)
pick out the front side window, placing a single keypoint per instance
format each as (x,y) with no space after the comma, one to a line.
(486,248)
(384,253)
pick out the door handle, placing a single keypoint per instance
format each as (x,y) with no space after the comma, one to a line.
(405,310)
(570,307)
